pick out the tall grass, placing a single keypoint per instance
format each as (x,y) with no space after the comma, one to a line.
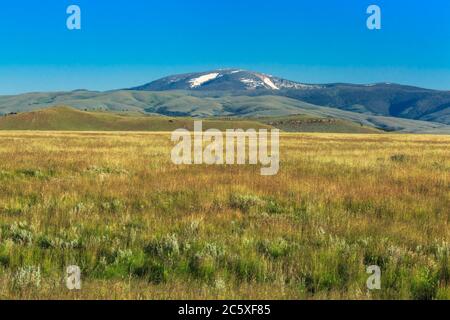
(140,227)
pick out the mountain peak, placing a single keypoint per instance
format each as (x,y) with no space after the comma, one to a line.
(222,80)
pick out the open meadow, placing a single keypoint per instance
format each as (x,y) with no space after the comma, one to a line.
(141,227)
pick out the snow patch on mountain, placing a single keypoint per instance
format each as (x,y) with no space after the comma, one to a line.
(197,82)
(250,83)
(285,84)
(269,82)
(260,81)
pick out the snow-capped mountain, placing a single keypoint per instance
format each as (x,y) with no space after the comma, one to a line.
(225,79)
(381,99)
(235,92)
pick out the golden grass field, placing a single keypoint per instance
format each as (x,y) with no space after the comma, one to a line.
(142,228)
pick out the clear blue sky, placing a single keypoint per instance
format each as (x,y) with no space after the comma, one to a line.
(127,43)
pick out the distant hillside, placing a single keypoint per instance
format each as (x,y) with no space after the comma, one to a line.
(385,99)
(69,119)
(310,124)
(64,118)
(207,105)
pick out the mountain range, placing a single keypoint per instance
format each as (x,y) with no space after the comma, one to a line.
(384,99)
(247,94)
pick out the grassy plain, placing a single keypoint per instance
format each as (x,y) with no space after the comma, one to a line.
(142,228)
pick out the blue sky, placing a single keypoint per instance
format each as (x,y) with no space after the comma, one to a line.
(127,43)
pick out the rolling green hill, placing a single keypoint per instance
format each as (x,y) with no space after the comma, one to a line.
(69,119)
(207,105)
(311,124)
(64,118)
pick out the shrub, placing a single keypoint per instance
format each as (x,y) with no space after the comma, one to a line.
(249,268)
(21,233)
(202,266)
(274,207)
(26,278)
(126,263)
(400,158)
(193,227)
(62,241)
(167,246)
(244,202)
(4,255)
(274,249)
(376,255)
(424,285)
(214,250)
(31,173)
(107,170)
(112,206)
(82,207)
(45,242)
(158,273)
(442,254)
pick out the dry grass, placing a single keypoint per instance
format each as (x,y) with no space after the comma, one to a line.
(142,228)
